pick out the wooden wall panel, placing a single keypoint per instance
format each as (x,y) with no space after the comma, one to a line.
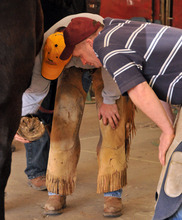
(177,13)
(126,9)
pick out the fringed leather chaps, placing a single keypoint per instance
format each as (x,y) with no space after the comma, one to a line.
(113,147)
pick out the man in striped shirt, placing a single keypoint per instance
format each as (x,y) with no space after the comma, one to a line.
(145,61)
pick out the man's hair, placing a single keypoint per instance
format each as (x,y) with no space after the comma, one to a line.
(95,33)
(60,29)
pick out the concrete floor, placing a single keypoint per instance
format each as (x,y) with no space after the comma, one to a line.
(24,203)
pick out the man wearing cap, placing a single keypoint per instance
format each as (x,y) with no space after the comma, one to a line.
(65,146)
(145,61)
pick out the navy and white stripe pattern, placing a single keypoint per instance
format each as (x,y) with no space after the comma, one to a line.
(167,61)
(134,51)
(154,42)
(172,86)
(115,52)
(109,34)
(124,68)
(134,35)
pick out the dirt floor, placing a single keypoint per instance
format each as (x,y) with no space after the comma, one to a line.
(24,203)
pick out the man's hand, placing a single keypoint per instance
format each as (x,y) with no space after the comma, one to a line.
(109,114)
(19,138)
(165,142)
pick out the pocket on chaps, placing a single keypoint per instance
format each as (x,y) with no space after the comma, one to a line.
(173,184)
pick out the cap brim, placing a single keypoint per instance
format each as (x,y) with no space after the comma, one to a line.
(67,52)
(52,72)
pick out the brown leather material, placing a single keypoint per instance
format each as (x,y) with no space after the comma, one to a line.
(112,206)
(114,145)
(38,183)
(65,143)
(55,204)
(173,184)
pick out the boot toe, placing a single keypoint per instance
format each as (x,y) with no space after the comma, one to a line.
(112,207)
(55,205)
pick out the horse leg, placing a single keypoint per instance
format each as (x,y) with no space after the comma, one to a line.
(5,164)
(9,121)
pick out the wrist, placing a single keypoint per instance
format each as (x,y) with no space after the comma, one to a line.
(169,131)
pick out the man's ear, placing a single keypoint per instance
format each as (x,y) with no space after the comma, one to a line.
(90,42)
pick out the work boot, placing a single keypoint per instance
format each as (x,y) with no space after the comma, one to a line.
(55,204)
(38,183)
(112,206)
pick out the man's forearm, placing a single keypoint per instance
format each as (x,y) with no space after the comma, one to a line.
(146,100)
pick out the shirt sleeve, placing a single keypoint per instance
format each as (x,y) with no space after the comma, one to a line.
(111,92)
(124,65)
(34,95)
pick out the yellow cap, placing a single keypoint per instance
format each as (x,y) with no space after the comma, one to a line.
(52,65)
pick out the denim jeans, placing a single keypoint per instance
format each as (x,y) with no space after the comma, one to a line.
(177,215)
(116,193)
(86,80)
(37,156)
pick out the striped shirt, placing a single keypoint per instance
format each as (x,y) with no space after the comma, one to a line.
(134,52)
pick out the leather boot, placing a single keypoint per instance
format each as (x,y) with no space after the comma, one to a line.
(55,204)
(38,183)
(112,206)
